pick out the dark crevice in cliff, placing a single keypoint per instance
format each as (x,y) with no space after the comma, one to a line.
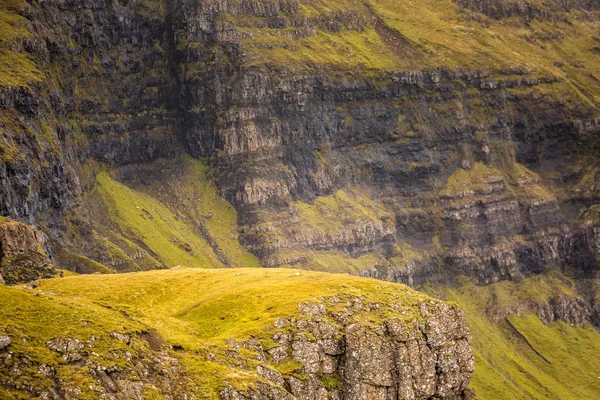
(173,95)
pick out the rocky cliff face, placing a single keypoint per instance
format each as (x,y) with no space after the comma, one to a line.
(482,171)
(526,9)
(22,254)
(422,361)
(343,134)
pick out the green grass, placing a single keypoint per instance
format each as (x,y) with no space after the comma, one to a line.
(507,367)
(345,49)
(197,196)
(142,217)
(426,35)
(196,309)
(329,215)
(17,68)
(475,179)
(332,261)
(524,184)
(171,218)
(213,305)
(32,320)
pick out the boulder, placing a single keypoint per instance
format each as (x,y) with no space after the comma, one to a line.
(4,342)
(22,255)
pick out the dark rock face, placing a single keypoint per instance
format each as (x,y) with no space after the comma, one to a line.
(507,8)
(574,311)
(460,165)
(22,254)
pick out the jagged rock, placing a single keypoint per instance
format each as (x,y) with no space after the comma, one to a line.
(4,342)
(400,359)
(65,345)
(33,284)
(278,354)
(123,338)
(273,376)
(22,254)
(528,10)
(279,137)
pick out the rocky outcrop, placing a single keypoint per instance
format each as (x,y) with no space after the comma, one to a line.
(526,9)
(574,311)
(415,354)
(22,254)
(4,342)
(154,371)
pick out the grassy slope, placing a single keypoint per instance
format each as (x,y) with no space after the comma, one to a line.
(16,68)
(196,309)
(144,218)
(200,310)
(506,366)
(165,222)
(32,320)
(195,195)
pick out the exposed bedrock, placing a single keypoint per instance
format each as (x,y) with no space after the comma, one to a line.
(397,359)
(22,254)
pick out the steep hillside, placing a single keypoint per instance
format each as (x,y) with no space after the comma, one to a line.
(247,333)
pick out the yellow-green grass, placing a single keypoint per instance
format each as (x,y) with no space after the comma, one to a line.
(332,261)
(177,219)
(195,309)
(197,196)
(198,306)
(12,25)
(557,361)
(345,49)
(463,180)
(331,214)
(16,67)
(523,183)
(32,320)
(142,217)
(431,34)
(526,184)
(174,214)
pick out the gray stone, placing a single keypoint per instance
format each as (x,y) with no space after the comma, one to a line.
(278,354)
(4,342)
(64,345)
(123,338)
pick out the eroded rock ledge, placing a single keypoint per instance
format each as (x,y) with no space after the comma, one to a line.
(22,254)
(413,354)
